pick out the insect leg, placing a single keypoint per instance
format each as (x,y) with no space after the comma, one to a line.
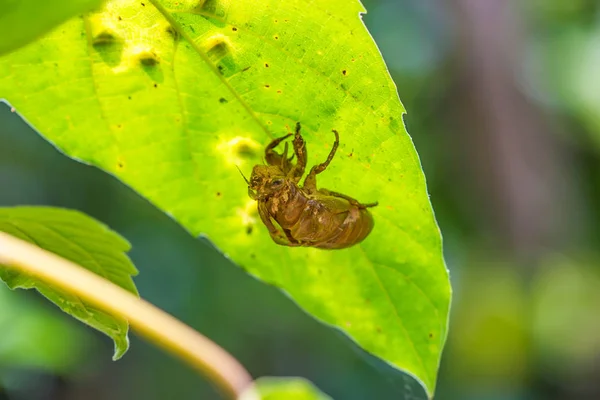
(310,183)
(283,240)
(271,156)
(351,200)
(292,241)
(300,151)
(273,231)
(286,163)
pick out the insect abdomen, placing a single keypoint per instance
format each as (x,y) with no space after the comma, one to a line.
(356,226)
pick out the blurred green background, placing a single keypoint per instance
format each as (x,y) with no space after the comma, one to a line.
(503,101)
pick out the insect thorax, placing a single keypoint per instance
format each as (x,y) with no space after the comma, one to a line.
(287,202)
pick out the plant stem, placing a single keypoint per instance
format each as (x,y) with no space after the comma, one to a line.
(149,321)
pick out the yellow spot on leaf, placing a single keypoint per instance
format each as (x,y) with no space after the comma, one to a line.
(238,149)
(103,29)
(248,213)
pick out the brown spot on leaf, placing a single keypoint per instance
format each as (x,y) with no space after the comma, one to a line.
(173,32)
(105,37)
(148,58)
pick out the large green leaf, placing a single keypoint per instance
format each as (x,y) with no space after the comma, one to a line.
(22,21)
(170,96)
(83,240)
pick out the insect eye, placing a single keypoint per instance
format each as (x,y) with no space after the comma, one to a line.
(277,182)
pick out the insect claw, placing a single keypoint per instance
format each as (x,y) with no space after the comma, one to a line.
(337,135)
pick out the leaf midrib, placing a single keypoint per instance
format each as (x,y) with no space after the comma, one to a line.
(165,13)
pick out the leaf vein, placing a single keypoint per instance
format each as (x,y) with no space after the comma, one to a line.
(400,323)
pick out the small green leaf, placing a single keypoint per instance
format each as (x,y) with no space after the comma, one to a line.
(22,21)
(169,96)
(271,388)
(83,240)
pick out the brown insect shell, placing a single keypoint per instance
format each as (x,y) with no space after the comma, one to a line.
(342,226)
(309,216)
